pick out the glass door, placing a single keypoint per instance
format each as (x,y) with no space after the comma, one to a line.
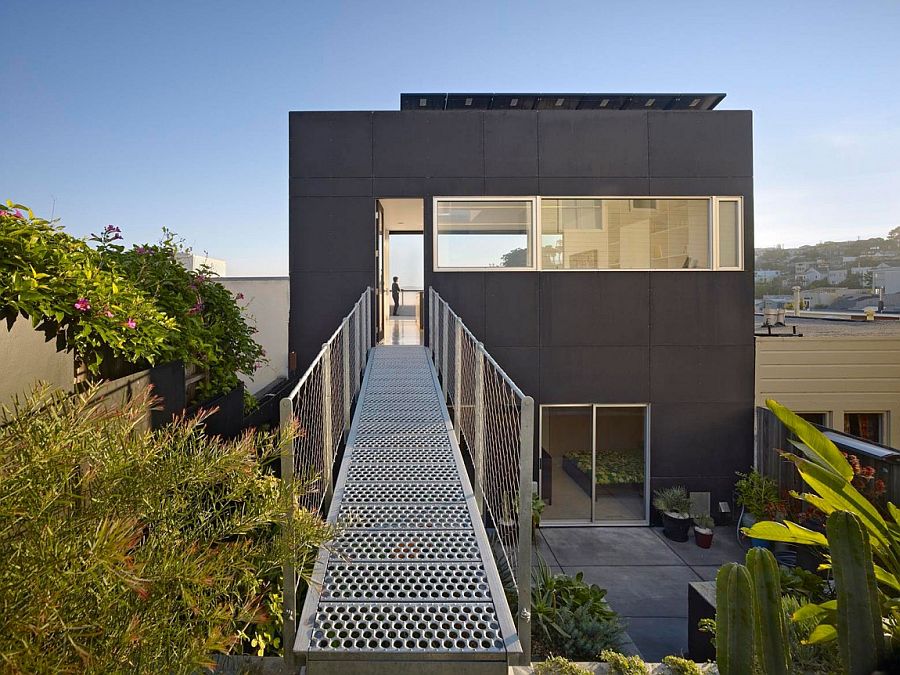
(594,464)
(620,463)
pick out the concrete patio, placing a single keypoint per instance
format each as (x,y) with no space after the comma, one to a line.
(646,575)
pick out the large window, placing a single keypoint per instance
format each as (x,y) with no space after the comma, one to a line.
(588,233)
(484,233)
(594,462)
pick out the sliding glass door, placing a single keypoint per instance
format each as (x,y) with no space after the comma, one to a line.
(594,463)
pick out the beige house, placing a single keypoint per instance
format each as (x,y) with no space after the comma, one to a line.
(842,374)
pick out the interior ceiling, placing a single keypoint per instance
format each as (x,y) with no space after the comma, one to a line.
(403,215)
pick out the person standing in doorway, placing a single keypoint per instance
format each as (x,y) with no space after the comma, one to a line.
(395,294)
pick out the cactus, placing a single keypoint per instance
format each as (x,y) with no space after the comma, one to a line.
(734,620)
(770,629)
(859,629)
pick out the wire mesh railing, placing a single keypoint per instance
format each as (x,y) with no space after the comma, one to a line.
(495,419)
(314,417)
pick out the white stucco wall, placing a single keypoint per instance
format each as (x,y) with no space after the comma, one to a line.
(27,358)
(266,304)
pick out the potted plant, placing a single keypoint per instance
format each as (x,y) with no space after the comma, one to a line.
(759,500)
(703,530)
(674,505)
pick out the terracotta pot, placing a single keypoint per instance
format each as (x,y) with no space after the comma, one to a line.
(703,538)
(674,528)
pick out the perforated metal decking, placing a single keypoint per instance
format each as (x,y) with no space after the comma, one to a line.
(410,585)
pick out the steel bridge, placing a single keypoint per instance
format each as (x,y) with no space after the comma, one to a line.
(433,510)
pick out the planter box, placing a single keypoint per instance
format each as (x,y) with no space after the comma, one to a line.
(228,420)
(243,664)
(570,466)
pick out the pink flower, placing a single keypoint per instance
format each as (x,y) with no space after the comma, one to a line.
(239,296)
(82,304)
(197,308)
(108,314)
(131,323)
(111,228)
(141,250)
(17,214)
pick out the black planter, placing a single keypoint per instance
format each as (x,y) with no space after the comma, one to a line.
(676,529)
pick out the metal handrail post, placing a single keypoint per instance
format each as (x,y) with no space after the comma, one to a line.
(431,322)
(327,427)
(356,345)
(457,379)
(526,486)
(444,346)
(289,582)
(345,361)
(478,454)
(368,304)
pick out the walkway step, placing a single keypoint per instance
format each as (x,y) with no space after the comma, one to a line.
(410,583)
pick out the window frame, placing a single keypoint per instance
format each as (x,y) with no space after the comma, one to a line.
(536,262)
(592,521)
(535,204)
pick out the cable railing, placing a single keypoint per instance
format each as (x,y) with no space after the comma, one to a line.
(315,416)
(495,419)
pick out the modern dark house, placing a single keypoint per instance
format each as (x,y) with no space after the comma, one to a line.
(600,245)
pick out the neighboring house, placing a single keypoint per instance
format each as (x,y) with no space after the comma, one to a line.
(762,276)
(887,278)
(613,308)
(810,275)
(194,262)
(861,270)
(836,277)
(840,374)
(265,304)
(801,267)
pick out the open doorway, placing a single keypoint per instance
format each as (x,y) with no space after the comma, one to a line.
(401,271)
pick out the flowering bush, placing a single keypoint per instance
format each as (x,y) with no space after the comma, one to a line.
(62,286)
(138,304)
(213,334)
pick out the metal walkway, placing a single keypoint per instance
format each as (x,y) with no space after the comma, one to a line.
(411,584)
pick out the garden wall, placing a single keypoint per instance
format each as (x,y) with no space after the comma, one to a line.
(26,357)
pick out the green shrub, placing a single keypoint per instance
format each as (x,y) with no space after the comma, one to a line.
(624,665)
(557,665)
(680,666)
(139,552)
(758,494)
(674,499)
(61,285)
(571,617)
(139,305)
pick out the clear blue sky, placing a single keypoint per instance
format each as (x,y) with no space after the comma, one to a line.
(145,114)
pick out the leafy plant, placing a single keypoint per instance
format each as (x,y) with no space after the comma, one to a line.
(61,285)
(829,476)
(558,665)
(624,665)
(568,613)
(807,657)
(804,585)
(129,551)
(674,500)
(613,467)
(704,522)
(681,666)
(537,508)
(758,494)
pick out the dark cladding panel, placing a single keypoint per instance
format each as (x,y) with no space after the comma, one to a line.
(716,143)
(319,301)
(464,292)
(424,144)
(579,186)
(511,309)
(702,374)
(587,143)
(510,144)
(613,374)
(522,366)
(595,308)
(702,308)
(331,145)
(333,234)
(710,439)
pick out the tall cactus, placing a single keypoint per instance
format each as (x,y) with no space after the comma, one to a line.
(734,620)
(859,629)
(770,628)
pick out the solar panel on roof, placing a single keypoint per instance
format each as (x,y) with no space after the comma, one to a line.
(561,101)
